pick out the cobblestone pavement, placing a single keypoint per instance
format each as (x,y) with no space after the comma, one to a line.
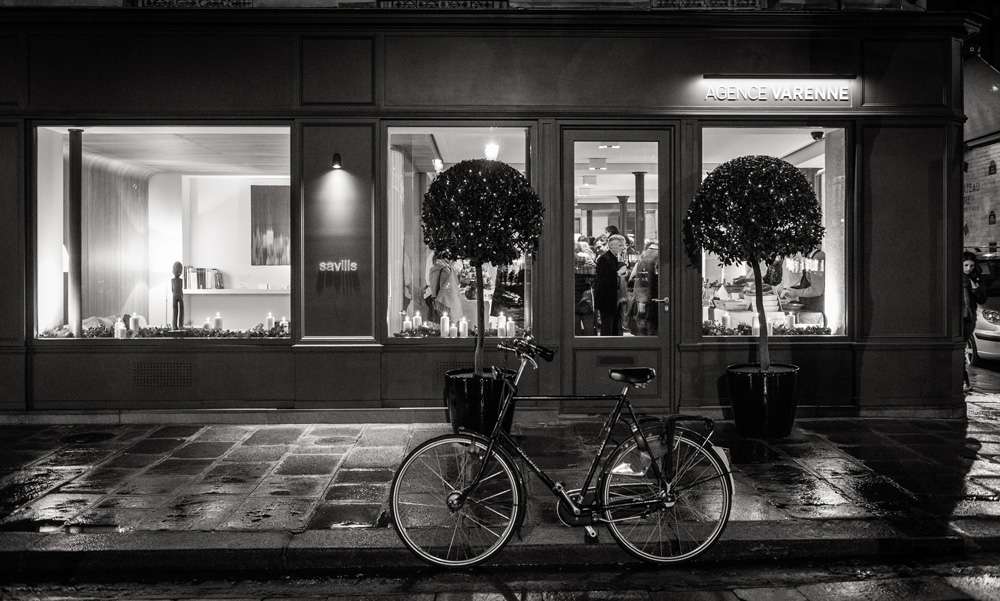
(309,477)
(839,581)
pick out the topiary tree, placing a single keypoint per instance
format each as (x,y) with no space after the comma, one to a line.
(484,212)
(753,209)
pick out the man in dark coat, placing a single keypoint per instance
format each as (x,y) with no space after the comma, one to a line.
(607,292)
(973,295)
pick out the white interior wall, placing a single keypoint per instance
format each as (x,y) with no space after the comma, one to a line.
(165,242)
(216,210)
(49,233)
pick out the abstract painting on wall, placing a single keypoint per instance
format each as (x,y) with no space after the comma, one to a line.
(270,225)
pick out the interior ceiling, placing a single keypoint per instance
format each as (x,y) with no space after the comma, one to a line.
(455,144)
(194,150)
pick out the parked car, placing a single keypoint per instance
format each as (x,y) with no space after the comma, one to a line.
(985,344)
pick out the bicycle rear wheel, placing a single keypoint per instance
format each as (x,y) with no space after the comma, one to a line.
(672,523)
(455,536)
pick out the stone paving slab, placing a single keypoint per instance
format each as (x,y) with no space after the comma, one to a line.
(833,488)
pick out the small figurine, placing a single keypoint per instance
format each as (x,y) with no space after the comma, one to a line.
(177,293)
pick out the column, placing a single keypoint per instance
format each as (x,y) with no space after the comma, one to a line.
(622,213)
(640,209)
(74,233)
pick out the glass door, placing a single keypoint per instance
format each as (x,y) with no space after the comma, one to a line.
(618,275)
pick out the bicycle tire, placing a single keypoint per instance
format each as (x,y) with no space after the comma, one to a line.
(420,513)
(714,502)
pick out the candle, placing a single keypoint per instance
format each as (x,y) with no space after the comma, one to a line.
(417,321)
(269,321)
(790,320)
(445,326)
(725,320)
(133,324)
(755,328)
(208,323)
(770,328)
(217,323)
(493,322)
(501,324)
(407,324)
(453,332)
(511,328)
(463,328)
(402,320)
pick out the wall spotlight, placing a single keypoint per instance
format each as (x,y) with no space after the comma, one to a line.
(337,163)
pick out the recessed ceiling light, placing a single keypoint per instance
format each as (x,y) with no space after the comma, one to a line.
(597,164)
(609,146)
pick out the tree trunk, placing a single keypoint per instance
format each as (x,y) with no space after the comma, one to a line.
(480,326)
(762,352)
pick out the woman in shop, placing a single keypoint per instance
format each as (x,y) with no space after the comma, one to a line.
(644,278)
(610,289)
(584,270)
(443,290)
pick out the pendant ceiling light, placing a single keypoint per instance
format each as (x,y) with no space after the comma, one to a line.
(491,151)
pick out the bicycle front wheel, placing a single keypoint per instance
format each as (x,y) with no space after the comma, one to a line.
(455,536)
(663,523)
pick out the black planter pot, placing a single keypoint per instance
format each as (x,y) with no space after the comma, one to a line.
(474,402)
(763,403)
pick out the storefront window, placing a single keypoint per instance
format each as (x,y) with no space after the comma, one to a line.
(803,294)
(616,247)
(431,297)
(150,232)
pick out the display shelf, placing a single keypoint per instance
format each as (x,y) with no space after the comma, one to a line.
(234,291)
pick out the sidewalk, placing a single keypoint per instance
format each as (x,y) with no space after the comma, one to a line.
(303,497)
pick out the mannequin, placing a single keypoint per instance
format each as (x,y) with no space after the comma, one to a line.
(177,296)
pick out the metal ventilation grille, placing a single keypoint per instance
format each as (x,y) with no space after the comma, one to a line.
(162,374)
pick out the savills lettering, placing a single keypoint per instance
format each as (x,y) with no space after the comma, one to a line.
(338,266)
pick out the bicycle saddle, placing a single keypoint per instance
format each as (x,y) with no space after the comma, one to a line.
(632,375)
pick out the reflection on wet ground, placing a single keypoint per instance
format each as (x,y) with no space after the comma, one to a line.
(293,478)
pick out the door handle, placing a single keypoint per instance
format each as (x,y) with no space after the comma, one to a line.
(665,300)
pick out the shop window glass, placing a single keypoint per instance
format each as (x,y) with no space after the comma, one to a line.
(211,204)
(805,294)
(422,290)
(616,247)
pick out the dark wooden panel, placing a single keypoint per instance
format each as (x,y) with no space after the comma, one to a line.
(12,380)
(337,378)
(115,239)
(906,73)
(590,71)
(826,376)
(161,73)
(418,374)
(338,71)
(10,70)
(903,377)
(590,376)
(168,379)
(12,298)
(337,229)
(903,232)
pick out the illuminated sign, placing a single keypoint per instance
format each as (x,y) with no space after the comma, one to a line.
(777,91)
(340,266)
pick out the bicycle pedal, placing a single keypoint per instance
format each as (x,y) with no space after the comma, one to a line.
(590,535)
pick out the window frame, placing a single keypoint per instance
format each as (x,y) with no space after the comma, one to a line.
(383,334)
(851,193)
(146,344)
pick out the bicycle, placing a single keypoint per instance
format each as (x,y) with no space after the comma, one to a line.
(665,492)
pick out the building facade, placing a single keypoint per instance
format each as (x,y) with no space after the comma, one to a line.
(614,117)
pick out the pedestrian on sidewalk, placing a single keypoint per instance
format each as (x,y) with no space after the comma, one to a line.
(973,295)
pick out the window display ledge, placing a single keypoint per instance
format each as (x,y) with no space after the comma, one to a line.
(773,342)
(147,343)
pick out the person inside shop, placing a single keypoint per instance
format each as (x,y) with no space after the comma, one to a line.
(610,289)
(645,281)
(443,290)
(584,271)
(803,281)
(973,295)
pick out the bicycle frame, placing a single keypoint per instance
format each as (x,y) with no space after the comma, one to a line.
(499,437)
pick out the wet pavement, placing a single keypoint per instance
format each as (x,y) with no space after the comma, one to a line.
(909,478)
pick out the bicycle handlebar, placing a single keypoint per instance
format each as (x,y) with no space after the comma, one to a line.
(527,346)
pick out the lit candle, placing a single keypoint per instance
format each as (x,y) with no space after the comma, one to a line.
(417,321)
(511,328)
(402,320)
(407,324)
(269,321)
(217,323)
(790,320)
(463,328)
(755,328)
(493,322)
(453,332)
(501,325)
(133,324)
(445,326)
